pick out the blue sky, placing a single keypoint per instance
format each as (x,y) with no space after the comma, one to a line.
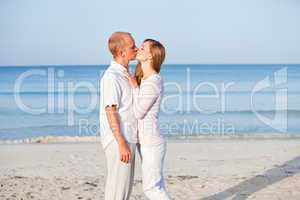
(52,32)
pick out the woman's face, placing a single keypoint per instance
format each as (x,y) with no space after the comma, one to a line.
(144,53)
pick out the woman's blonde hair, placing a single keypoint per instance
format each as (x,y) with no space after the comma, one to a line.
(158,53)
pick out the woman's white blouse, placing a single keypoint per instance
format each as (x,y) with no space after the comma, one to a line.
(147,99)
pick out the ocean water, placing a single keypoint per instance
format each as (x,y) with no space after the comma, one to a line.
(198,100)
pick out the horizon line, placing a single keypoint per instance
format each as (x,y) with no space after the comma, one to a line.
(78,65)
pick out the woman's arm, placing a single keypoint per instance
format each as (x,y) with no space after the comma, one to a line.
(144,96)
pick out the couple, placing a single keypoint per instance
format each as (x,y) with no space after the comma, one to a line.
(129,107)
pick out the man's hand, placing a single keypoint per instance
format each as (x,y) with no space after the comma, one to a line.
(125,153)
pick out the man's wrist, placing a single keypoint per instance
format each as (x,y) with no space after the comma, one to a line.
(121,140)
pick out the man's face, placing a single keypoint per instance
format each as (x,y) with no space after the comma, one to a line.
(130,50)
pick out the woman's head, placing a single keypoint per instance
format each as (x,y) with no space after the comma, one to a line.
(151,51)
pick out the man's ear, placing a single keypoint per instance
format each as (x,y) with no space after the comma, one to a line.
(122,53)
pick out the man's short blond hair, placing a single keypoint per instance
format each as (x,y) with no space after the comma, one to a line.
(117,42)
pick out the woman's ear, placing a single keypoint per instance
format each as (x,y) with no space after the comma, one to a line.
(149,57)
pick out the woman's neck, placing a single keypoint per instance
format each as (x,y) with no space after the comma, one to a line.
(147,70)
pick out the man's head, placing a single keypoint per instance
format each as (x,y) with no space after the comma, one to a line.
(122,46)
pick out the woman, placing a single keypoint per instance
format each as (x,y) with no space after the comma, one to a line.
(148,91)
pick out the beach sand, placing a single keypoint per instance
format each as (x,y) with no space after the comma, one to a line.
(195,169)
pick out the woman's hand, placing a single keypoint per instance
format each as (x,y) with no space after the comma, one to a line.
(131,80)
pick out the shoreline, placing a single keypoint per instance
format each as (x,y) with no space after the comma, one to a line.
(171,138)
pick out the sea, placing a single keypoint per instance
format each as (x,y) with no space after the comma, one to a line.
(199,100)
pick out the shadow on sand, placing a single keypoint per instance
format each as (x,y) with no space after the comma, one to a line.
(246,188)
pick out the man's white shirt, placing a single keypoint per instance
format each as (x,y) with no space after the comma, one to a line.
(115,89)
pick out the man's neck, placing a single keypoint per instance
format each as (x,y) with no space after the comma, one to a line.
(122,62)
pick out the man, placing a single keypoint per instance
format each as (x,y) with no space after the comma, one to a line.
(118,125)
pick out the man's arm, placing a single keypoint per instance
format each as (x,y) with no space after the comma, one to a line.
(114,123)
